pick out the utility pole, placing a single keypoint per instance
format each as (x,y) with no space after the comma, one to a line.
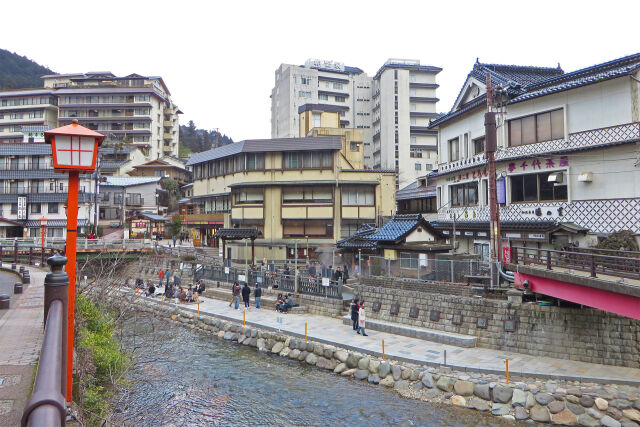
(490,146)
(95,197)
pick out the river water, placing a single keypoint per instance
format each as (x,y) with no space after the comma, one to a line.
(191,378)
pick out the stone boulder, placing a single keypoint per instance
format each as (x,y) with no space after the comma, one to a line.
(457,400)
(261,343)
(502,393)
(576,409)
(361,374)
(285,351)
(445,383)
(463,388)
(396,371)
(318,350)
(228,336)
(364,363)
(294,354)
(556,406)
(540,414)
(427,380)
(348,372)
(500,409)
(373,379)
(564,418)
(352,361)
(602,404)
(341,367)
(328,353)
(387,381)
(478,404)
(311,359)
(341,355)
(323,363)
(520,413)
(632,414)
(401,385)
(406,373)
(587,421)
(384,369)
(587,401)
(544,398)
(519,397)
(303,355)
(482,391)
(374,366)
(607,421)
(277,347)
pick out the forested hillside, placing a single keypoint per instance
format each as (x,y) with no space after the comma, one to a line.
(17,72)
(196,140)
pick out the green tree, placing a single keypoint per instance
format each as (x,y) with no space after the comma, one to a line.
(176,225)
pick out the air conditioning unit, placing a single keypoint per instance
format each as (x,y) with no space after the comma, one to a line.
(585,177)
(555,177)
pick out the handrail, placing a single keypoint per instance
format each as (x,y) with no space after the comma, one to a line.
(46,405)
(592,262)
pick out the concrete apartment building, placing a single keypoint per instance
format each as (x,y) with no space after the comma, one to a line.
(30,189)
(392,109)
(567,163)
(29,107)
(305,192)
(134,108)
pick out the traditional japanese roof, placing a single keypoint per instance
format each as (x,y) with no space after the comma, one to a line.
(322,107)
(54,223)
(36,128)
(127,181)
(356,241)
(237,233)
(113,165)
(416,191)
(153,217)
(267,145)
(583,77)
(399,227)
(406,66)
(10,222)
(25,149)
(543,225)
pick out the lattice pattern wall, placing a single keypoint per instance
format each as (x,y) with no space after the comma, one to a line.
(590,138)
(599,216)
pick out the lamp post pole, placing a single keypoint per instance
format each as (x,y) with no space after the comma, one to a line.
(72,233)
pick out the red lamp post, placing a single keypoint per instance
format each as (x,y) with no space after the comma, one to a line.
(74,149)
(43,225)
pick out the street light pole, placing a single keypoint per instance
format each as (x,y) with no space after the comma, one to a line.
(307,237)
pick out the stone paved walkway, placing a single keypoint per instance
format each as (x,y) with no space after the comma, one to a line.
(331,330)
(20,342)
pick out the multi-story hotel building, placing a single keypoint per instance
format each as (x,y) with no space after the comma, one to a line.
(567,164)
(30,189)
(134,108)
(305,192)
(29,107)
(404,101)
(392,109)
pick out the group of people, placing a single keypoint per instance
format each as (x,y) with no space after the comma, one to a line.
(174,289)
(245,292)
(284,303)
(358,315)
(324,271)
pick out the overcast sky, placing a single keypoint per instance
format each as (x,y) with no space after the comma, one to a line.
(218,58)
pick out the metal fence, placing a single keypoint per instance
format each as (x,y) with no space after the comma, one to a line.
(285,280)
(82,243)
(469,271)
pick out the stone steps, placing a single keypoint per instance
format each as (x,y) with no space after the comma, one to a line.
(458,340)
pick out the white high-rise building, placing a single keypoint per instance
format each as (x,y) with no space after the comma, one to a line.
(393,109)
(404,101)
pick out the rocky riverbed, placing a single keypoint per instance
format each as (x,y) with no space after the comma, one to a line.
(527,400)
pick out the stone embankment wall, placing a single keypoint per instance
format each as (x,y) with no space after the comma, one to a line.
(557,402)
(421,286)
(587,335)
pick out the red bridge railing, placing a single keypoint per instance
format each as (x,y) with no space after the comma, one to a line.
(594,261)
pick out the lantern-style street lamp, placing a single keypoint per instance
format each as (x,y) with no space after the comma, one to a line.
(43,225)
(74,149)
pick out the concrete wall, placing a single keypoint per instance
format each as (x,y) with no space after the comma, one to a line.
(585,335)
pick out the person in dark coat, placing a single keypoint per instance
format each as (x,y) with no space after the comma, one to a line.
(354,313)
(246,293)
(257,293)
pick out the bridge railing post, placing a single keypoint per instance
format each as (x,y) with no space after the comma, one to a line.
(593,265)
(15,251)
(548,260)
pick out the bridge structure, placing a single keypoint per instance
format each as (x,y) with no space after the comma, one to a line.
(608,280)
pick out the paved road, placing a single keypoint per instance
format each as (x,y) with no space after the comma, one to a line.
(20,342)
(331,330)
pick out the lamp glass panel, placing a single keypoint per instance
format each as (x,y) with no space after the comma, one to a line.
(63,149)
(87,146)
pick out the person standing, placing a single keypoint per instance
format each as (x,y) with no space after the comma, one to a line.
(337,275)
(354,313)
(174,241)
(246,293)
(257,293)
(346,272)
(236,295)
(361,319)
(167,274)
(160,276)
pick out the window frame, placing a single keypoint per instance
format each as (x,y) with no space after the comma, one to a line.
(535,127)
(450,151)
(538,175)
(465,187)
